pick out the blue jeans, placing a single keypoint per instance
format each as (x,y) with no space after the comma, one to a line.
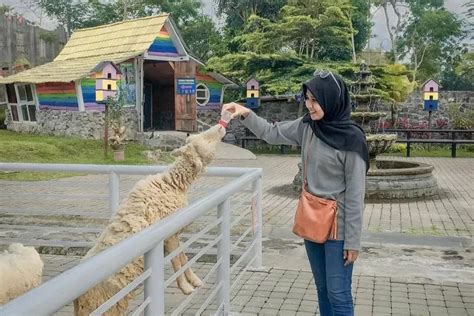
(333,279)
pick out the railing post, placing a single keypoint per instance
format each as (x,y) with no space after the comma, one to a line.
(223,253)
(408,143)
(257,188)
(114,192)
(155,283)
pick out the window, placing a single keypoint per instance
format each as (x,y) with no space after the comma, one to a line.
(202,94)
(109,76)
(109,87)
(3,94)
(252,95)
(431,89)
(253,87)
(22,102)
(431,97)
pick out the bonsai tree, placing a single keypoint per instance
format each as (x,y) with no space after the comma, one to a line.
(115,121)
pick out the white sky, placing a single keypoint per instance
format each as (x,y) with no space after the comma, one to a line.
(380,41)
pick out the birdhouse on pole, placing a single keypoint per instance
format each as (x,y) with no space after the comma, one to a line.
(107,75)
(430,95)
(253,93)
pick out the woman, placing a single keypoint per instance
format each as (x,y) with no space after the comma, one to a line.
(337,163)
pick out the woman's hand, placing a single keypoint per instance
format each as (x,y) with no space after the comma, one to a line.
(236,109)
(350,256)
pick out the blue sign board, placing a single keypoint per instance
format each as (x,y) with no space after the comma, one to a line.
(186,86)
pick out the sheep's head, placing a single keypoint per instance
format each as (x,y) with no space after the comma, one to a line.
(201,148)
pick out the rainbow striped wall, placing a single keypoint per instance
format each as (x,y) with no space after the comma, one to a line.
(57,96)
(88,94)
(215,89)
(163,45)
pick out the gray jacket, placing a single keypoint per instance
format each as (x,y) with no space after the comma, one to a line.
(332,174)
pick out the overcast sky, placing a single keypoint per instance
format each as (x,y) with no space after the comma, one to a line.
(380,41)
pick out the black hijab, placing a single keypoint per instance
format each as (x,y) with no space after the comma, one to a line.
(336,127)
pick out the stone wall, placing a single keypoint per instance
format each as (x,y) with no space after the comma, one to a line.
(89,124)
(22,39)
(272,110)
(411,111)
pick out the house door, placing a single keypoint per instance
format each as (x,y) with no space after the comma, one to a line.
(185,105)
(147,106)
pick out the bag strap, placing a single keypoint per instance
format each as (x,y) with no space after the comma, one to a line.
(305,182)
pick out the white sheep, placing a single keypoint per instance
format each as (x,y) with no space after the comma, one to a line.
(21,269)
(152,199)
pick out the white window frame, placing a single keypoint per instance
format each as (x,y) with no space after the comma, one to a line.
(4,101)
(26,102)
(202,87)
(10,103)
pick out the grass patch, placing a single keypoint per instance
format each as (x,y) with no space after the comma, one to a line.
(18,147)
(435,150)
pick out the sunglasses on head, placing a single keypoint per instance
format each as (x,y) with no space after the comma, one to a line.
(323,74)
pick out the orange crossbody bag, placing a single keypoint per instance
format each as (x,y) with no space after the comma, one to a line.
(316,217)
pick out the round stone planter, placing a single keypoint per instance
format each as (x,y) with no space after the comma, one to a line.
(379,143)
(393,179)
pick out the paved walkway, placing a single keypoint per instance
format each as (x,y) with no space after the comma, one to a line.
(417,256)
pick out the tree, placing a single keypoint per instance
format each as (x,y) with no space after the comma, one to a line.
(203,39)
(434,33)
(238,11)
(461,75)
(361,23)
(69,14)
(320,28)
(393,32)
(259,35)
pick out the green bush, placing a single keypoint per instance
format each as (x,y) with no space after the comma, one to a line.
(398,148)
(468,148)
(458,119)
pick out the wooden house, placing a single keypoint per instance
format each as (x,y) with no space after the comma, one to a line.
(146,58)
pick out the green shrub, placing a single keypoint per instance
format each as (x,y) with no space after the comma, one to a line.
(458,119)
(398,148)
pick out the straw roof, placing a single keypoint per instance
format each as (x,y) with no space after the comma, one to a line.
(88,47)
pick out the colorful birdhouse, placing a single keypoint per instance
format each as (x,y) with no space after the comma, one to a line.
(107,75)
(253,93)
(430,95)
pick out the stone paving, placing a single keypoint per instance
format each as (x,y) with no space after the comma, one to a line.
(422,279)
(292,292)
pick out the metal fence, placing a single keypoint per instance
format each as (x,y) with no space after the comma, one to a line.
(234,231)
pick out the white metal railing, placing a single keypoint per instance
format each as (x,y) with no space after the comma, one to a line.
(64,288)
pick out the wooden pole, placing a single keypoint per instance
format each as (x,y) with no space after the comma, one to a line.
(106,130)
(429,127)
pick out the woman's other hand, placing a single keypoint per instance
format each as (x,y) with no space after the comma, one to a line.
(350,256)
(236,109)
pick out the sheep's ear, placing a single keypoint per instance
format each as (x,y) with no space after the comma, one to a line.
(177,152)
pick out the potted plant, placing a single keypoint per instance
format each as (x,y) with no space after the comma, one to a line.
(115,120)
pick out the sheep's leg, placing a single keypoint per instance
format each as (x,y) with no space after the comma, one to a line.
(192,278)
(170,245)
